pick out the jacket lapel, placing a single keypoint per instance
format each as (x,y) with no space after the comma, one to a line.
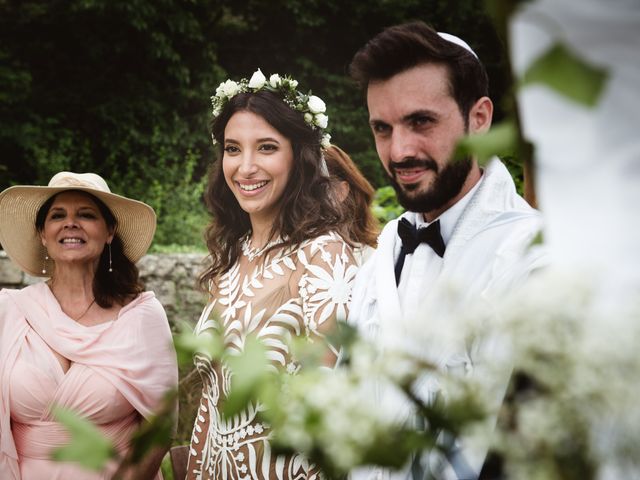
(386,291)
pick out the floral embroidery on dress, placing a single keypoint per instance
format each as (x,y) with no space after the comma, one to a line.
(287,293)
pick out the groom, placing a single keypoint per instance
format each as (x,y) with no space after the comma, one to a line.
(465,226)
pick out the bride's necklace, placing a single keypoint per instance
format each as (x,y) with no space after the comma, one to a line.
(252,253)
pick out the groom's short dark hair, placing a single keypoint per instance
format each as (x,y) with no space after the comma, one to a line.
(401,47)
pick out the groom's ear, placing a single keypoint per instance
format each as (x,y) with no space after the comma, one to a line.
(480,115)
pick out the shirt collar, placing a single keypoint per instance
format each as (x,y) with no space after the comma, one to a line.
(449,217)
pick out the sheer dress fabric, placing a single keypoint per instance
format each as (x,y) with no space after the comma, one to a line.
(119,373)
(288,293)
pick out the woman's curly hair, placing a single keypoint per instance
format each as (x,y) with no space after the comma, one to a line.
(308,205)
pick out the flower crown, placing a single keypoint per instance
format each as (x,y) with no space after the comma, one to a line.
(310,106)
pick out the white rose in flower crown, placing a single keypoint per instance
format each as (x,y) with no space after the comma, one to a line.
(316,105)
(230,88)
(274,80)
(322,120)
(293,83)
(326,141)
(308,117)
(257,80)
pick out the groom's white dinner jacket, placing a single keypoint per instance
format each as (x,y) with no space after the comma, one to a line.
(487,255)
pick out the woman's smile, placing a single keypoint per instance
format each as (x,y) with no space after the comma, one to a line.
(256,163)
(249,187)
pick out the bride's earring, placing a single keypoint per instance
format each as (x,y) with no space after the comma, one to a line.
(110,266)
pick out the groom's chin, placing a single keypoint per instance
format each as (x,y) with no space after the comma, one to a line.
(411,200)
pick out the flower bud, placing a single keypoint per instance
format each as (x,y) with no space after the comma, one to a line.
(274,80)
(322,120)
(257,80)
(316,105)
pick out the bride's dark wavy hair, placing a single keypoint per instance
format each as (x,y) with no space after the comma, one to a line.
(308,207)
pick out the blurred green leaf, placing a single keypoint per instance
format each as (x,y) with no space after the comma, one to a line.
(393,450)
(157,431)
(187,344)
(538,239)
(500,140)
(308,354)
(88,446)
(343,338)
(565,72)
(344,335)
(250,371)
(501,10)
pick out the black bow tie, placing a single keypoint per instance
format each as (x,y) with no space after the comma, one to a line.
(412,237)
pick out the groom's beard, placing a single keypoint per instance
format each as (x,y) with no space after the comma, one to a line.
(445,185)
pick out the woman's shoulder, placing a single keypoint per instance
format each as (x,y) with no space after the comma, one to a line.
(330,239)
(326,248)
(145,304)
(30,292)
(5,298)
(14,302)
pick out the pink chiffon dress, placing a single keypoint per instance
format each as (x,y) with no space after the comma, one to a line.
(119,373)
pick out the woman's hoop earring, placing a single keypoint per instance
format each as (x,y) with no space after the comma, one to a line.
(110,266)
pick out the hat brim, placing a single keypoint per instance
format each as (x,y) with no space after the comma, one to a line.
(19,205)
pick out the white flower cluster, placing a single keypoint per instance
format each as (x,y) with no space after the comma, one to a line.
(328,410)
(311,106)
(580,361)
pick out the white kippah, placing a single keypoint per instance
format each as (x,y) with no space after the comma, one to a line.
(457,41)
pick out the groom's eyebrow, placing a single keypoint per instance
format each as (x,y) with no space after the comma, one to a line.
(419,114)
(374,122)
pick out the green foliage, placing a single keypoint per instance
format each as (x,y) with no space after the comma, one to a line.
(565,72)
(117,88)
(537,240)
(307,411)
(175,193)
(515,167)
(250,373)
(166,469)
(187,344)
(178,248)
(122,88)
(88,446)
(502,140)
(385,205)
(249,370)
(155,432)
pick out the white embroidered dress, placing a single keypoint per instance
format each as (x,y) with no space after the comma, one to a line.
(290,292)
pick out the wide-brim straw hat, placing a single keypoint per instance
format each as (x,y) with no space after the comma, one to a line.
(19,205)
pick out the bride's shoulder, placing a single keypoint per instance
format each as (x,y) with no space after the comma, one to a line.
(326,239)
(326,248)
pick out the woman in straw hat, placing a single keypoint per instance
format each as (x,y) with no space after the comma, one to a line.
(89,339)
(279,266)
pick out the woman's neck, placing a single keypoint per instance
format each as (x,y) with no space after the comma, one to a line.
(260,233)
(71,284)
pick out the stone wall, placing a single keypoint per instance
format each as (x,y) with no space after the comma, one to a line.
(170,276)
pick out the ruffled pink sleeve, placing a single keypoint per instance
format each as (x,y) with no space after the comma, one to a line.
(141,361)
(13,329)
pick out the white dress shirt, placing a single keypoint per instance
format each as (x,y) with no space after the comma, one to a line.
(422,267)
(487,236)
